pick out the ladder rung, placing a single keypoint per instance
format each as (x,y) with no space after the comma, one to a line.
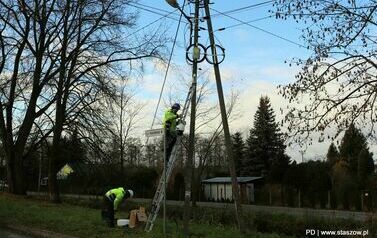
(158,197)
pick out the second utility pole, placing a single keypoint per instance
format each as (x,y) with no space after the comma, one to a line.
(224,117)
(191,149)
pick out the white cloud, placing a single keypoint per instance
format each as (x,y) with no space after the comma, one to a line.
(152,83)
(242,36)
(252,82)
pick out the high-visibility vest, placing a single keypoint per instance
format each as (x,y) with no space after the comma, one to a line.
(170,120)
(116,195)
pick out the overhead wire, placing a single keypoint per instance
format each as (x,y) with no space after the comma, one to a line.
(151,23)
(152,11)
(187,28)
(241,24)
(250,7)
(260,29)
(167,68)
(154,8)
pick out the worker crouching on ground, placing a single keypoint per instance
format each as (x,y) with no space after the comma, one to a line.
(170,123)
(111,201)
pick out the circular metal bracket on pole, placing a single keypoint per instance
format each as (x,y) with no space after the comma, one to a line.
(220,56)
(197,53)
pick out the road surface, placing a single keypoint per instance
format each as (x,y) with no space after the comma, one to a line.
(300,212)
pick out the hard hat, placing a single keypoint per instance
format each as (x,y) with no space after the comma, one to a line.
(176,106)
(131,193)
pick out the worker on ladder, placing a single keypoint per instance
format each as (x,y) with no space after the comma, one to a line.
(170,123)
(111,201)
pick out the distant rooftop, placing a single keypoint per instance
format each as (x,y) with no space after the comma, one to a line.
(229,179)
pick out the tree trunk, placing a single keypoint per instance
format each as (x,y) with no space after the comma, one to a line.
(53,185)
(15,174)
(195,188)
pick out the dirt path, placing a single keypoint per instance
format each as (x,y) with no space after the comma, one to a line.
(28,232)
(11,234)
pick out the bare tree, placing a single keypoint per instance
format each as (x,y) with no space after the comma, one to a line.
(24,73)
(62,53)
(208,122)
(94,42)
(338,82)
(128,110)
(207,146)
(133,151)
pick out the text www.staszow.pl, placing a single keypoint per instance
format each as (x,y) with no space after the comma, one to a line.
(342,233)
(320,233)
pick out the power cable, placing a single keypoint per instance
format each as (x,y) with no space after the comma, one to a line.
(240,24)
(146,26)
(167,68)
(152,11)
(154,8)
(260,29)
(253,6)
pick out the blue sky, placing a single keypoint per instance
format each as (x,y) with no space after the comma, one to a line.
(242,42)
(254,63)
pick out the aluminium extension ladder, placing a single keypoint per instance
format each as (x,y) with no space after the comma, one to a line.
(159,195)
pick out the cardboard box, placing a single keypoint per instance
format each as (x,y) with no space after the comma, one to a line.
(137,216)
(141,215)
(133,219)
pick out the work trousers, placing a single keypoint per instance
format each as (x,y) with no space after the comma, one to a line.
(170,139)
(108,211)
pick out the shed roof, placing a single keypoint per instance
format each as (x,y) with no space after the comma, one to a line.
(229,179)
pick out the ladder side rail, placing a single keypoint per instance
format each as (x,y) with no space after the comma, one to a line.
(158,197)
(169,167)
(185,109)
(156,203)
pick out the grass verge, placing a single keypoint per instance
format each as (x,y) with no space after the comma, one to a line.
(86,222)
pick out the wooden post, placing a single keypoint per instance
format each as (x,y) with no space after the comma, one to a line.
(228,145)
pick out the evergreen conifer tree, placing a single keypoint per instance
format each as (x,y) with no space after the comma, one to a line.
(355,152)
(365,167)
(332,155)
(238,147)
(352,143)
(265,145)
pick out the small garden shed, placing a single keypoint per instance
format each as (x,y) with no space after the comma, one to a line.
(220,188)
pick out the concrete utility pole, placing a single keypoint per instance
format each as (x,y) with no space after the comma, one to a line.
(228,145)
(195,46)
(191,151)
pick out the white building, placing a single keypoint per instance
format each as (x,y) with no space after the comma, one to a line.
(220,188)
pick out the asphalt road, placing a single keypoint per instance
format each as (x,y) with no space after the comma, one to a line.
(10,234)
(300,212)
